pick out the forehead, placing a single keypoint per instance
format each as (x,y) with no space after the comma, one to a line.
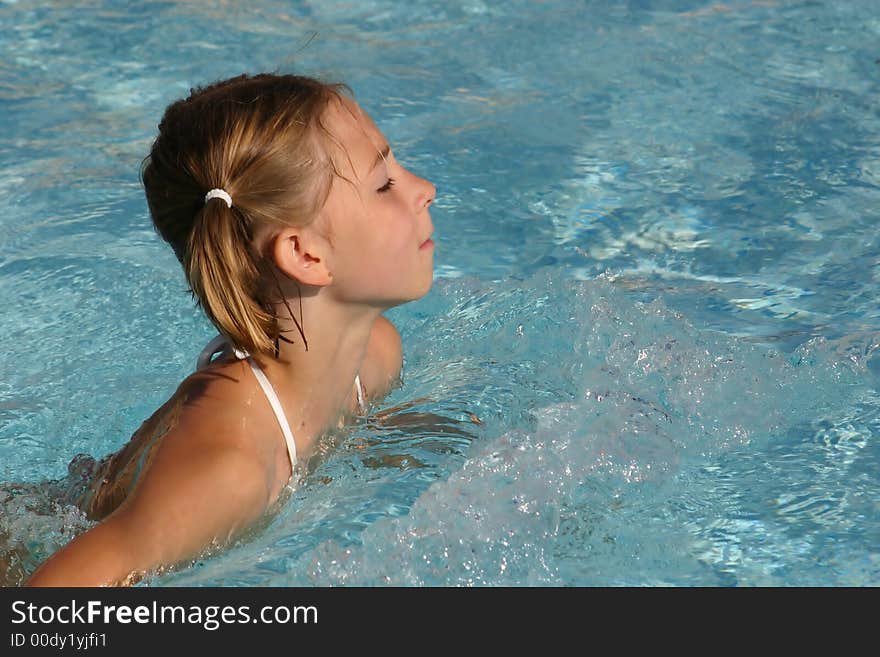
(355,140)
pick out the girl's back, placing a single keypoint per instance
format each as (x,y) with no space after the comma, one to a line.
(220,386)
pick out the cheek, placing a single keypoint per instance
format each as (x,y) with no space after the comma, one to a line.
(379,232)
(392,224)
(401,237)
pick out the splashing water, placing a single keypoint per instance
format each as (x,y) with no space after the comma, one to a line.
(596,417)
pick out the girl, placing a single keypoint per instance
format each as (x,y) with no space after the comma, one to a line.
(296,228)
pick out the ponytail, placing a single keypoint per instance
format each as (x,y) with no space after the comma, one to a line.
(222,273)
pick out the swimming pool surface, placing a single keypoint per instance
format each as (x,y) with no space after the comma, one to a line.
(650,356)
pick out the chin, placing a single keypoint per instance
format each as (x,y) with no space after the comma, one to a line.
(426,287)
(416,293)
(417,287)
(413,295)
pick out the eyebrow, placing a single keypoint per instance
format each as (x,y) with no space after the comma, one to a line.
(380,156)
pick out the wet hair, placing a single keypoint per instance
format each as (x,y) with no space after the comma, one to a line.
(261,139)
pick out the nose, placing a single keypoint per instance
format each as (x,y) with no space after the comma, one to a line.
(426,194)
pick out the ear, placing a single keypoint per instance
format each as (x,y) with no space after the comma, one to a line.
(301,254)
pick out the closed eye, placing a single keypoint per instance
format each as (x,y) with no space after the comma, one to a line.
(386,186)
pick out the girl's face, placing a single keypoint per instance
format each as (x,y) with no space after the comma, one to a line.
(378,219)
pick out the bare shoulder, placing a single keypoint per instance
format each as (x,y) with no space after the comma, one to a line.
(217,423)
(214,473)
(220,383)
(382,364)
(211,476)
(223,407)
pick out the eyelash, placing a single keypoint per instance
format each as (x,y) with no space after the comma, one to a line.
(386,186)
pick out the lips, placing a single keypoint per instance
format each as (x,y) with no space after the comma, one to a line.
(428,243)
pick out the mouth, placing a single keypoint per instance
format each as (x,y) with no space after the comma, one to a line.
(427,244)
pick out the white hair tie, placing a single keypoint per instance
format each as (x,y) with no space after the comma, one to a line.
(219,193)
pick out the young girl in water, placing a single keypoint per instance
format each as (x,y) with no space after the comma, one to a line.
(296,228)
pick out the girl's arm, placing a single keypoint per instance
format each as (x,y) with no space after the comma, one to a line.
(196,493)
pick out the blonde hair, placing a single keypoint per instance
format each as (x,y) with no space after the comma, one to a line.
(259,138)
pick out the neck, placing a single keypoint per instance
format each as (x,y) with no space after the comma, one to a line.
(320,381)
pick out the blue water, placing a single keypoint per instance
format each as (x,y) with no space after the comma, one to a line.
(650,356)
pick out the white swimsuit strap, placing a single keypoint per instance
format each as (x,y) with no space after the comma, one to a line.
(220,342)
(360,392)
(279,412)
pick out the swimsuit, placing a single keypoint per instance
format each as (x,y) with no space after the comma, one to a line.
(220,344)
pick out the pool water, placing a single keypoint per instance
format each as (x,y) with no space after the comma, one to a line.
(650,356)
